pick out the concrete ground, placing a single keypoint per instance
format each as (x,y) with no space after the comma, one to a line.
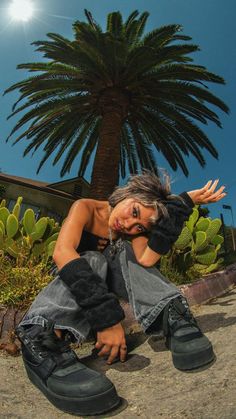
(148,383)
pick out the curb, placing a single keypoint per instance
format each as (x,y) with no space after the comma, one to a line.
(211,286)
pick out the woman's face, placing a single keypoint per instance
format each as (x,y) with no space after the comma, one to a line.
(131,217)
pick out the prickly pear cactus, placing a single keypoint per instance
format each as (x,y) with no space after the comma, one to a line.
(26,240)
(3,203)
(196,250)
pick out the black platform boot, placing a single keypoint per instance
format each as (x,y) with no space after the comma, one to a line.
(189,346)
(54,368)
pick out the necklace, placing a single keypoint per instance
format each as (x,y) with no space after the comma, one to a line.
(109,228)
(112,249)
(110,237)
(115,246)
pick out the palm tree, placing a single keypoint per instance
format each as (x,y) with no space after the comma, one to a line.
(119,92)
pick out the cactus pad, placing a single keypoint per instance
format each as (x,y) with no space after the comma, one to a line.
(12,226)
(207,258)
(192,219)
(202,224)
(4,213)
(201,241)
(213,228)
(29,221)
(184,239)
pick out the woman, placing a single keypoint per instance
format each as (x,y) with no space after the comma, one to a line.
(96,267)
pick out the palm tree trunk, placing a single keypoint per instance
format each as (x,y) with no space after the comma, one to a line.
(113,105)
(105,175)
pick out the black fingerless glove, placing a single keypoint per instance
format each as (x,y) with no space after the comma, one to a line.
(101,307)
(167,230)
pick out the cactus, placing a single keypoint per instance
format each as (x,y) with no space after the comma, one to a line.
(197,247)
(4,213)
(26,240)
(192,219)
(217,240)
(16,211)
(51,248)
(13,250)
(29,221)
(202,224)
(3,203)
(208,257)
(201,241)
(12,226)
(51,238)
(19,200)
(2,227)
(213,228)
(1,238)
(39,229)
(184,239)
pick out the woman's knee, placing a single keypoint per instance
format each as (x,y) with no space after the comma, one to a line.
(97,261)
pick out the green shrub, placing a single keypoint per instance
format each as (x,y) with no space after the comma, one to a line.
(20,285)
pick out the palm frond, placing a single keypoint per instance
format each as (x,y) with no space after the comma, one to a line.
(129,152)
(115,24)
(131,18)
(77,145)
(89,148)
(160,37)
(91,21)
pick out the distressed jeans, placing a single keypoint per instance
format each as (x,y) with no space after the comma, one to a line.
(146,289)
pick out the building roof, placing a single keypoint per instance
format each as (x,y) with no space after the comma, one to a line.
(34,184)
(17,179)
(73,179)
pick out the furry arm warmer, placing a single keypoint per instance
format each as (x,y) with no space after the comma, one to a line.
(167,230)
(101,307)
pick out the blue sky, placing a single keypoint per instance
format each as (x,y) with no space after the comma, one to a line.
(209,22)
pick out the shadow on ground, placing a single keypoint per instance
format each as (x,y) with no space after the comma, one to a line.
(134,362)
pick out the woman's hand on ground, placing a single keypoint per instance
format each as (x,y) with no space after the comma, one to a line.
(112,343)
(209,193)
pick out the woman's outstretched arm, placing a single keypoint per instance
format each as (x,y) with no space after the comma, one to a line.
(149,256)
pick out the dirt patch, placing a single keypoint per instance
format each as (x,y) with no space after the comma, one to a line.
(148,382)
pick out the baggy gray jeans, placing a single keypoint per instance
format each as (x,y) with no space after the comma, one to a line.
(146,289)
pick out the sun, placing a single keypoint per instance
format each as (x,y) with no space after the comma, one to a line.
(21,10)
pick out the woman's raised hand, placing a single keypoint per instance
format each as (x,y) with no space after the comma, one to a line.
(209,193)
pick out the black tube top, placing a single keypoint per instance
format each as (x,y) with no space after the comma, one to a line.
(89,241)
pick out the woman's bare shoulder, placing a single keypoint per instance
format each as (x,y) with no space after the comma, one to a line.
(86,207)
(93,202)
(89,203)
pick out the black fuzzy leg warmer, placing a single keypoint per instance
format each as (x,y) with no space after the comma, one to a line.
(101,307)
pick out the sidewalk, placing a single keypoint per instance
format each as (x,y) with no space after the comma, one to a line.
(149,383)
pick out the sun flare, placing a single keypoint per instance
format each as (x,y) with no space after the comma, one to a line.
(21,10)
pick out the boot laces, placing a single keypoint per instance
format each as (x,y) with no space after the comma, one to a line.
(178,316)
(179,310)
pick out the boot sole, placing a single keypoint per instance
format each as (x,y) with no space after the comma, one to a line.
(86,406)
(193,360)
